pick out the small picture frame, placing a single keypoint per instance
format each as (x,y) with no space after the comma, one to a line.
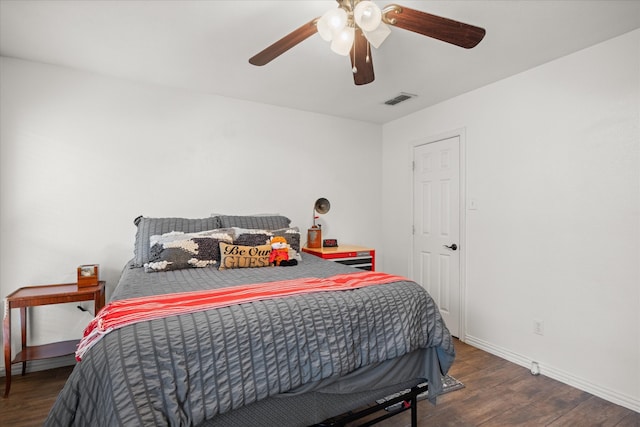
(88,275)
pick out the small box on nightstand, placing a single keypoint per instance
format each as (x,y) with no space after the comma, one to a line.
(88,275)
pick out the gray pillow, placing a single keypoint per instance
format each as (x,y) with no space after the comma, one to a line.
(264,222)
(148,227)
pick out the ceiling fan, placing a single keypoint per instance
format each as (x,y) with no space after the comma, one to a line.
(356,25)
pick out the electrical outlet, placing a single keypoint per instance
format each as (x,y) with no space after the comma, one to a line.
(538,327)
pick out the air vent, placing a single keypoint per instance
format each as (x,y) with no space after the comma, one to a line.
(403,96)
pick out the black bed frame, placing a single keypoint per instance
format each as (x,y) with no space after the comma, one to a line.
(408,398)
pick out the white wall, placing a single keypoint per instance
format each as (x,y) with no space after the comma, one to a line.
(553,161)
(81,155)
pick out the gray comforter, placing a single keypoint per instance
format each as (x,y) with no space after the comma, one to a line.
(186,369)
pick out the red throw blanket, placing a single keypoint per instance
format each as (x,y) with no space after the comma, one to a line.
(120,313)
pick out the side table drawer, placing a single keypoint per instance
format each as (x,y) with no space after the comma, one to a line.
(361,262)
(355,256)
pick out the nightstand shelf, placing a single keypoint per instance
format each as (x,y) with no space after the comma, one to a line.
(360,257)
(45,351)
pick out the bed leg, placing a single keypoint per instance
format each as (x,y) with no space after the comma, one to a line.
(414,411)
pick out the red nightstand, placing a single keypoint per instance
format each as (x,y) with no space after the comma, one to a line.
(356,256)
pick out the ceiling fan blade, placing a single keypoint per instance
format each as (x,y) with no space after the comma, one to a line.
(284,44)
(437,27)
(361,60)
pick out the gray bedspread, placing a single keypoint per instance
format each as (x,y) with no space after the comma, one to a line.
(186,369)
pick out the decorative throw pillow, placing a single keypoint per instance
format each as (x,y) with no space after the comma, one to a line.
(177,250)
(251,237)
(292,234)
(255,237)
(238,256)
(147,227)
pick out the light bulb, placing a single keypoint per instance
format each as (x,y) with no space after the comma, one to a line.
(336,19)
(342,41)
(367,15)
(331,22)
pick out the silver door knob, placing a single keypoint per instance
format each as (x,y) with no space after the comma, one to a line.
(453,247)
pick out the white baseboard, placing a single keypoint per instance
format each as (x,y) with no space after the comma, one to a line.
(612,396)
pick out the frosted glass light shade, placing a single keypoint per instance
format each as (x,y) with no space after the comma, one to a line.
(334,21)
(377,36)
(323,28)
(367,15)
(342,41)
(337,19)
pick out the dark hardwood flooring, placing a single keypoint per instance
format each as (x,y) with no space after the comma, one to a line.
(31,397)
(501,393)
(497,393)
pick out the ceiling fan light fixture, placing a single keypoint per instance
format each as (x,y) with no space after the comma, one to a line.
(377,36)
(345,26)
(343,40)
(367,15)
(338,26)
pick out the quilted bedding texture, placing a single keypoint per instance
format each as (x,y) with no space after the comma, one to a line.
(183,370)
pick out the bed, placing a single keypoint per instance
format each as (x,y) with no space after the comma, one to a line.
(285,360)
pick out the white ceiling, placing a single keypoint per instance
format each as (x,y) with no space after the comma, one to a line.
(205,46)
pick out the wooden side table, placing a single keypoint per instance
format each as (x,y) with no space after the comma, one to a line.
(356,256)
(31,296)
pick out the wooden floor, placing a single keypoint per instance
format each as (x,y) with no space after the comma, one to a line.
(497,393)
(31,397)
(500,393)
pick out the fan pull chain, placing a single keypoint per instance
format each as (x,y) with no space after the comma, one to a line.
(354,69)
(368,50)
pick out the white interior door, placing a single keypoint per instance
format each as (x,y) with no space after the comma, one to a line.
(436,219)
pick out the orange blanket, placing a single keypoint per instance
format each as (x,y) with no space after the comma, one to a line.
(120,313)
